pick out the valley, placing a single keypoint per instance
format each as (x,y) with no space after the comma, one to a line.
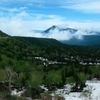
(26,63)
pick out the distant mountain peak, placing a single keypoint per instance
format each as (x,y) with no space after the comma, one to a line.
(59,28)
(49,29)
(71,30)
(67,33)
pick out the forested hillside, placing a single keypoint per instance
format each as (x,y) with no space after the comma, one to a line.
(2,34)
(40,42)
(32,62)
(87,40)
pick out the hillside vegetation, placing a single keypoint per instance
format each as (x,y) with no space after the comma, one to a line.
(28,63)
(90,40)
(40,42)
(2,34)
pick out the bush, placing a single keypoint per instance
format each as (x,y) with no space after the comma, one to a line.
(14,97)
(48,96)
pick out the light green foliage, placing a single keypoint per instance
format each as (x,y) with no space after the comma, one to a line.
(70,80)
(82,77)
(19,79)
(3,75)
(53,77)
(39,67)
(22,67)
(95,70)
(35,80)
(5,61)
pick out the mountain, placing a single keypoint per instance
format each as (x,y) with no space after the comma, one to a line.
(2,34)
(87,40)
(71,30)
(39,42)
(73,36)
(59,29)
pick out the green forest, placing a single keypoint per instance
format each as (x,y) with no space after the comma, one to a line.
(27,62)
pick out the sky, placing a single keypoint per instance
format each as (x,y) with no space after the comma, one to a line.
(29,17)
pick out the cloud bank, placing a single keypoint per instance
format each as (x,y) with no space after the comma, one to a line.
(25,24)
(90,6)
(67,34)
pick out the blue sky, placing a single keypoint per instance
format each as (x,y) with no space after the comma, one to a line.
(23,17)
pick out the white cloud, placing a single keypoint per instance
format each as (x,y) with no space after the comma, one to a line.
(90,6)
(17,27)
(59,35)
(16,9)
(13,10)
(89,25)
(65,35)
(87,6)
(22,14)
(24,24)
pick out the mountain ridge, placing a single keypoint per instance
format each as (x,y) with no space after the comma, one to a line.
(40,42)
(73,36)
(72,30)
(2,34)
(88,40)
(60,29)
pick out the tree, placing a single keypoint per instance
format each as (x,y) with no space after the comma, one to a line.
(83,78)
(71,80)
(63,77)
(0,58)
(3,79)
(33,84)
(53,77)
(10,74)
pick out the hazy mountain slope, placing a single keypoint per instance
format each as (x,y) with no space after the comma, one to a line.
(87,40)
(73,36)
